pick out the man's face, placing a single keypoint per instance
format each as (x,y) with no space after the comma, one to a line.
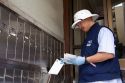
(84,25)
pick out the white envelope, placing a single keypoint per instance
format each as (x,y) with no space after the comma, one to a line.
(69,56)
(56,67)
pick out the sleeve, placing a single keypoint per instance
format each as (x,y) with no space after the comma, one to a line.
(106,41)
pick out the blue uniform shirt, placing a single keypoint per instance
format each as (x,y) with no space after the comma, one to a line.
(106,70)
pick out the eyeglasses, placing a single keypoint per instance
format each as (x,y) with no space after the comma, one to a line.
(79,23)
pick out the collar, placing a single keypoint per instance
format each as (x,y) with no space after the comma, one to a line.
(93,26)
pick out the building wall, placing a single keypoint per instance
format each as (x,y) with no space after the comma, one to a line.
(47,14)
(26,52)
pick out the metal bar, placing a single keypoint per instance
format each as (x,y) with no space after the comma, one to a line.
(40,47)
(35,45)
(29,46)
(4,75)
(8,35)
(21,75)
(23,43)
(26,42)
(48,81)
(19,65)
(16,40)
(13,74)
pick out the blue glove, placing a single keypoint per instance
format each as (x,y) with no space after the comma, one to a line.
(77,61)
(73,59)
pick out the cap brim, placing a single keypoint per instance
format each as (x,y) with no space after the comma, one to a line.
(74,24)
(95,16)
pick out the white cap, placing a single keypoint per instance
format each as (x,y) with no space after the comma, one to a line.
(81,15)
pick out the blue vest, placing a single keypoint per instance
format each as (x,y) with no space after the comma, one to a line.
(106,70)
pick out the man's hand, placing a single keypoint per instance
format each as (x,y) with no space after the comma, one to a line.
(73,59)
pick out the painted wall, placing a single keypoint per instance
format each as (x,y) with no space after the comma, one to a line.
(47,14)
